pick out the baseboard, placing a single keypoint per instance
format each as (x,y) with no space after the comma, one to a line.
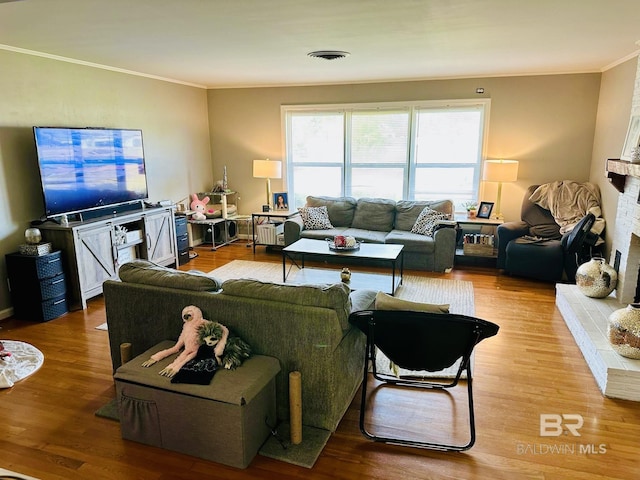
(6,313)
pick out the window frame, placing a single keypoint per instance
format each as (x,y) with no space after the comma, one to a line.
(410,167)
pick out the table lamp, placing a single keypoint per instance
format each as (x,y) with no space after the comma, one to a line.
(267,169)
(500,171)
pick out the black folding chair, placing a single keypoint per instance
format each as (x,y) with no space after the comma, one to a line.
(419,341)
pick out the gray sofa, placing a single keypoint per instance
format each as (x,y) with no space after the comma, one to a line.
(305,327)
(380,220)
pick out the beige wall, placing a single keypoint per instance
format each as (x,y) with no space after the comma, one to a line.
(39,91)
(545,122)
(614,111)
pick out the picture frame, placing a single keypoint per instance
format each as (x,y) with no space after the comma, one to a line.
(280,201)
(632,139)
(484,210)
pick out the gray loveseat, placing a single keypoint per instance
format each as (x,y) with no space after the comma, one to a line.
(305,327)
(379,220)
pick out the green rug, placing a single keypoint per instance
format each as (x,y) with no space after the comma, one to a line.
(278,447)
(304,454)
(110,411)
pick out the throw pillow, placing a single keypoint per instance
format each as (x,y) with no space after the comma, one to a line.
(427,221)
(315,218)
(387,302)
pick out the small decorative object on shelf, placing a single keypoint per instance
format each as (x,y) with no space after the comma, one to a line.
(596,278)
(472,209)
(120,235)
(345,274)
(341,242)
(624,331)
(32,236)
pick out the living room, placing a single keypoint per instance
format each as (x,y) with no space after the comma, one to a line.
(560,126)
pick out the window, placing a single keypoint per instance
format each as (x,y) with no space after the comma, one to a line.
(421,151)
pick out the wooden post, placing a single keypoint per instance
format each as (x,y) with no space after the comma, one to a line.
(125,352)
(295,407)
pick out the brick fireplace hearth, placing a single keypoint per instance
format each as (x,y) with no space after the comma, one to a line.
(586,318)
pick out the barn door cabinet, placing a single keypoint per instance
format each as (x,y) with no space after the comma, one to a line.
(93,250)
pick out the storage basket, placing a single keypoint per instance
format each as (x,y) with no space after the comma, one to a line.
(35,249)
(477,249)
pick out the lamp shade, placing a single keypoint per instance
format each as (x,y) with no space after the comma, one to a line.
(500,171)
(267,168)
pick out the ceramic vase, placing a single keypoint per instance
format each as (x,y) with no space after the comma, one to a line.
(596,278)
(623,331)
(471,213)
(32,236)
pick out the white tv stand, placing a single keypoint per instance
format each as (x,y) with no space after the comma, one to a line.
(93,251)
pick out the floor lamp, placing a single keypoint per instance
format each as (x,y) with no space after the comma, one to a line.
(500,171)
(267,169)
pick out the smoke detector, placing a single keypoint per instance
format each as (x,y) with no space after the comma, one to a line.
(328,54)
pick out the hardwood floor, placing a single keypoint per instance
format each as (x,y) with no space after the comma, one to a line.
(531,367)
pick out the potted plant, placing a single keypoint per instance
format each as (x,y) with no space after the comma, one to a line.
(472,208)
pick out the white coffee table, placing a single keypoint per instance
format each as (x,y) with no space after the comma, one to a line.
(354,259)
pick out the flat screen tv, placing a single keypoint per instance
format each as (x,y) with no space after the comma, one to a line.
(89,168)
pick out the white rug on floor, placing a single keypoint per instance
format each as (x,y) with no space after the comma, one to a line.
(102,326)
(4,473)
(24,360)
(457,293)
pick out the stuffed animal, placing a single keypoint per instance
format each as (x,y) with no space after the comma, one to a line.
(233,350)
(200,207)
(189,339)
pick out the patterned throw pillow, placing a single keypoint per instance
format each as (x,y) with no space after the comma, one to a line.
(315,218)
(427,221)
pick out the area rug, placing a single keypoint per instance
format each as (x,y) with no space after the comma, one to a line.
(8,474)
(24,360)
(304,454)
(109,411)
(457,293)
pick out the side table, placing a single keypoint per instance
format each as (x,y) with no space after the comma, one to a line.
(481,244)
(266,226)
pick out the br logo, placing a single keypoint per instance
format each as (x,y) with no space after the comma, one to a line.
(554,425)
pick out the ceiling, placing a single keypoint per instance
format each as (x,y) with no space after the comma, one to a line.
(242,43)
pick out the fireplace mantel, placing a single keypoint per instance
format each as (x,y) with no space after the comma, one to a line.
(617,170)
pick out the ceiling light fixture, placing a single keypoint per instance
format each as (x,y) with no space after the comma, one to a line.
(328,54)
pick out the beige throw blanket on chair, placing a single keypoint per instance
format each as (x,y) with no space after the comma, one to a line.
(568,202)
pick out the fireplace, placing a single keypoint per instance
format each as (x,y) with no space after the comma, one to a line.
(587,318)
(625,250)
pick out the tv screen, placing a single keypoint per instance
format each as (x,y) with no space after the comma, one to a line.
(88,168)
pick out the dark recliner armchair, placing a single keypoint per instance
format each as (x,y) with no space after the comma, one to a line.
(534,247)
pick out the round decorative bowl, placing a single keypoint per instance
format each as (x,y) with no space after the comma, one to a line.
(345,248)
(623,331)
(32,236)
(596,278)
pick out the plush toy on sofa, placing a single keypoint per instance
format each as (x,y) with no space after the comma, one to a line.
(200,207)
(189,339)
(233,350)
